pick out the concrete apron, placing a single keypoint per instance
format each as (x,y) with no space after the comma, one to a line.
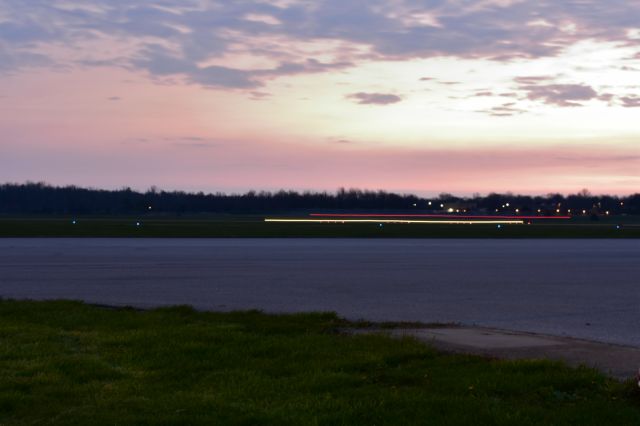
(619,362)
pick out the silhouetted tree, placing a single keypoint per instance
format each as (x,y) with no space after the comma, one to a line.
(42,199)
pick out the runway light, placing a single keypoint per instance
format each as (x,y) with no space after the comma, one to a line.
(617,226)
(149,208)
(584,212)
(441,206)
(429,203)
(507,204)
(499,226)
(73,222)
(137,223)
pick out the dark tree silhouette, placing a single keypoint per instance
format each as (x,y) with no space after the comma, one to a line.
(43,199)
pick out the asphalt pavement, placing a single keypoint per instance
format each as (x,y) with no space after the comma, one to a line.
(589,289)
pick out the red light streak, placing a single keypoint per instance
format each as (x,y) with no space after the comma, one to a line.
(448,216)
(407,221)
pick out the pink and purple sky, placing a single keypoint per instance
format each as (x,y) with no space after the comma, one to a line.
(426,96)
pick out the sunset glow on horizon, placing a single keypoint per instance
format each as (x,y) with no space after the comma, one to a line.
(458,96)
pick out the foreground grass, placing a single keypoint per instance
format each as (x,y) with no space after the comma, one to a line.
(254,226)
(74,364)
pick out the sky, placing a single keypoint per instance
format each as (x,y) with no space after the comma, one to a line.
(420,96)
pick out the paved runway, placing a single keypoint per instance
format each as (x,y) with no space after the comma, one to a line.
(581,288)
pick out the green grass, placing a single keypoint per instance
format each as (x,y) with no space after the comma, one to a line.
(254,226)
(74,364)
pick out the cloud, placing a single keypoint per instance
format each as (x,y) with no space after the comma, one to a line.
(343,33)
(504,110)
(135,141)
(606,97)
(563,95)
(547,90)
(630,101)
(532,79)
(265,19)
(591,159)
(194,144)
(162,62)
(114,98)
(25,31)
(257,95)
(182,141)
(542,88)
(374,98)
(15,58)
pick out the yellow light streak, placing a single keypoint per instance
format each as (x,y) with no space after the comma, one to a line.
(427,222)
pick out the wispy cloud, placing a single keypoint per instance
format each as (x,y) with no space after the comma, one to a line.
(258,95)
(532,79)
(504,110)
(374,98)
(193,142)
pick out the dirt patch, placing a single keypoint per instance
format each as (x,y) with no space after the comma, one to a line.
(620,362)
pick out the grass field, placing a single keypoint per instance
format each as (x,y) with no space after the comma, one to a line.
(254,226)
(74,364)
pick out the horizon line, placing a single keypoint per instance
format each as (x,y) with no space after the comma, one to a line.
(155,189)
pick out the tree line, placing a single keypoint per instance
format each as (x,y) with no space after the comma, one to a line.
(41,198)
